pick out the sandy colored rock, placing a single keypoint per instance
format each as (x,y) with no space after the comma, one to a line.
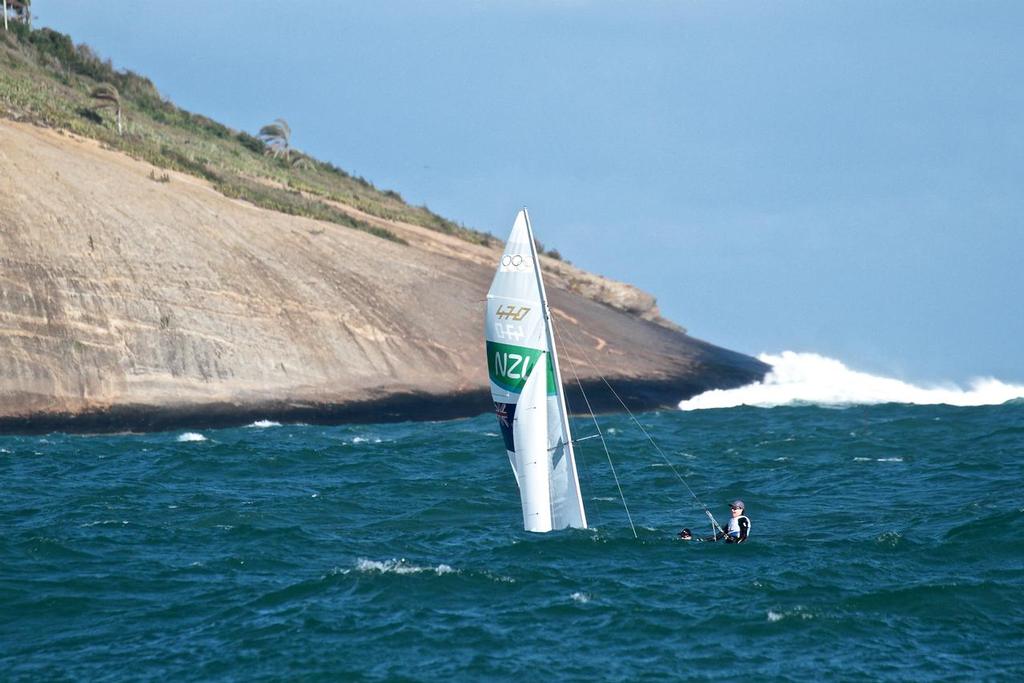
(124,296)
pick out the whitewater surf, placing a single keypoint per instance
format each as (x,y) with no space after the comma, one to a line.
(812,379)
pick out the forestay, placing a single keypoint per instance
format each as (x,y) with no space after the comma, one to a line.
(527,389)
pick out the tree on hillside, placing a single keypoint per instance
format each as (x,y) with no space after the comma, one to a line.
(107,97)
(277,136)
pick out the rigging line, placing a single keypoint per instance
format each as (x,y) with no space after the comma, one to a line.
(572,441)
(715,526)
(714,523)
(600,435)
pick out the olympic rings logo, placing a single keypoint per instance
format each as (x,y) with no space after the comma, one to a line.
(515,261)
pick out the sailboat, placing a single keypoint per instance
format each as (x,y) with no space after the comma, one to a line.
(526,386)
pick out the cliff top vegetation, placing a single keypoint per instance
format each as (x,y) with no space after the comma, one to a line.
(46,79)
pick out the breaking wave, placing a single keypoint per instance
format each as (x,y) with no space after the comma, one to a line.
(400,567)
(807,378)
(190,436)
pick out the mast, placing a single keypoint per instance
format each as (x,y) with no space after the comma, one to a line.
(562,411)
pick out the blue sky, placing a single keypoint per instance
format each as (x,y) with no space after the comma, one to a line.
(838,177)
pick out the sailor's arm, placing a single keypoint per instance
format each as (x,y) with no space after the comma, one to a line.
(744,529)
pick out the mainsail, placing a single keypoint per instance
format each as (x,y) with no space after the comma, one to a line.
(527,388)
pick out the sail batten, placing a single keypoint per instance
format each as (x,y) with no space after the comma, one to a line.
(526,387)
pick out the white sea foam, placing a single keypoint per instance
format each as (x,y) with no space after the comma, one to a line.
(399,567)
(191,436)
(263,424)
(796,613)
(360,439)
(809,378)
(581,598)
(889,538)
(106,522)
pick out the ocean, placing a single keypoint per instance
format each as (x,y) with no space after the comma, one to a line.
(887,543)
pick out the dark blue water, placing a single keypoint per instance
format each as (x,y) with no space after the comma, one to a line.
(888,543)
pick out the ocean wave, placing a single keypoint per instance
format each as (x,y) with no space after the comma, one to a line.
(190,436)
(798,612)
(400,566)
(263,424)
(105,522)
(808,378)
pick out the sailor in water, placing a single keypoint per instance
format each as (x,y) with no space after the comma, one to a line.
(736,530)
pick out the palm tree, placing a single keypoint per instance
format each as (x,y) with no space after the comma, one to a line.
(277,136)
(107,97)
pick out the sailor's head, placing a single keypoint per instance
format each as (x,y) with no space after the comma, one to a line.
(736,507)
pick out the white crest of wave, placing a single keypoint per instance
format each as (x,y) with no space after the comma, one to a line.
(799,378)
(263,424)
(399,567)
(191,436)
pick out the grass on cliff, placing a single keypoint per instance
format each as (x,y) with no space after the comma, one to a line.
(46,79)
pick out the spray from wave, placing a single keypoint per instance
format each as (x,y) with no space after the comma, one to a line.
(807,378)
(190,436)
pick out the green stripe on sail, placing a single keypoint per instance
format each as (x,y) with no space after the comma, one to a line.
(510,365)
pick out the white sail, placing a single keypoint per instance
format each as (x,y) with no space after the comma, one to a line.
(530,432)
(519,339)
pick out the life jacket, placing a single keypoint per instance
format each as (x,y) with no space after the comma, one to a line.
(734,526)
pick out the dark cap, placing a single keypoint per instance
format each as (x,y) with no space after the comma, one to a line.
(738,504)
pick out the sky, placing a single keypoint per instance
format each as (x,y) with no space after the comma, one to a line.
(842,178)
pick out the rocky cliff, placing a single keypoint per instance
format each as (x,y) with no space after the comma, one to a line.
(135,299)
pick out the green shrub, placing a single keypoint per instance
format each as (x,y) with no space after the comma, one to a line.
(181,162)
(252,143)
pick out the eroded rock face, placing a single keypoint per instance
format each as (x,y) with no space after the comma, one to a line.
(120,296)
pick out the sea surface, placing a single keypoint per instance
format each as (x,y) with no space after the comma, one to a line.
(887,544)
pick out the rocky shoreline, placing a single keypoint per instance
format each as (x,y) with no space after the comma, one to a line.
(639,395)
